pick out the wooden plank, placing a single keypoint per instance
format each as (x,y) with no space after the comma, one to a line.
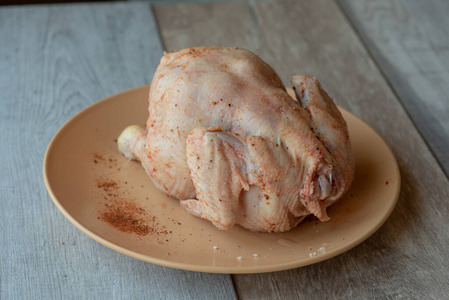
(407,257)
(410,42)
(54,61)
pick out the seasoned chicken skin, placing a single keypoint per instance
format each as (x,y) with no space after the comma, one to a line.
(225,137)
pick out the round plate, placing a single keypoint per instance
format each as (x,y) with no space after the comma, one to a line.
(113,201)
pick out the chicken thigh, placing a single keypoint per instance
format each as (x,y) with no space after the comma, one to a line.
(225,138)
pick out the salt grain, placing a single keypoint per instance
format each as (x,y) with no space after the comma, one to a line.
(215,247)
(321,250)
(313,254)
(239,257)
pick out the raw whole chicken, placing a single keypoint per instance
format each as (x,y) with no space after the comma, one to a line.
(225,137)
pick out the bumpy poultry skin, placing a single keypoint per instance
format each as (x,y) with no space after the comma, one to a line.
(225,137)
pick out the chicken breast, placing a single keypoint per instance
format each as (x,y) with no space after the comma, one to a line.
(225,138)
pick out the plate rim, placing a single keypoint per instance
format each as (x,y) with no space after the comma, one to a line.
(203,268)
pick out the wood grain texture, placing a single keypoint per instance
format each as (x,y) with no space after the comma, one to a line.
(55,61)
(407,257)
(410,42)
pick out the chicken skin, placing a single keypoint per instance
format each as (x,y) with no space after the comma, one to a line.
(225,138)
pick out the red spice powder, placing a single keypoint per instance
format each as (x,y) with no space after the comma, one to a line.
(98,156)
(127,217)
(106,185)
(121,213)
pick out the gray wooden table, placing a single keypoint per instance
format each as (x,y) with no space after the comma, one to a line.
(386,61)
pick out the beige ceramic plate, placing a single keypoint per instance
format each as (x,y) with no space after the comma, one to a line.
(94,186)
